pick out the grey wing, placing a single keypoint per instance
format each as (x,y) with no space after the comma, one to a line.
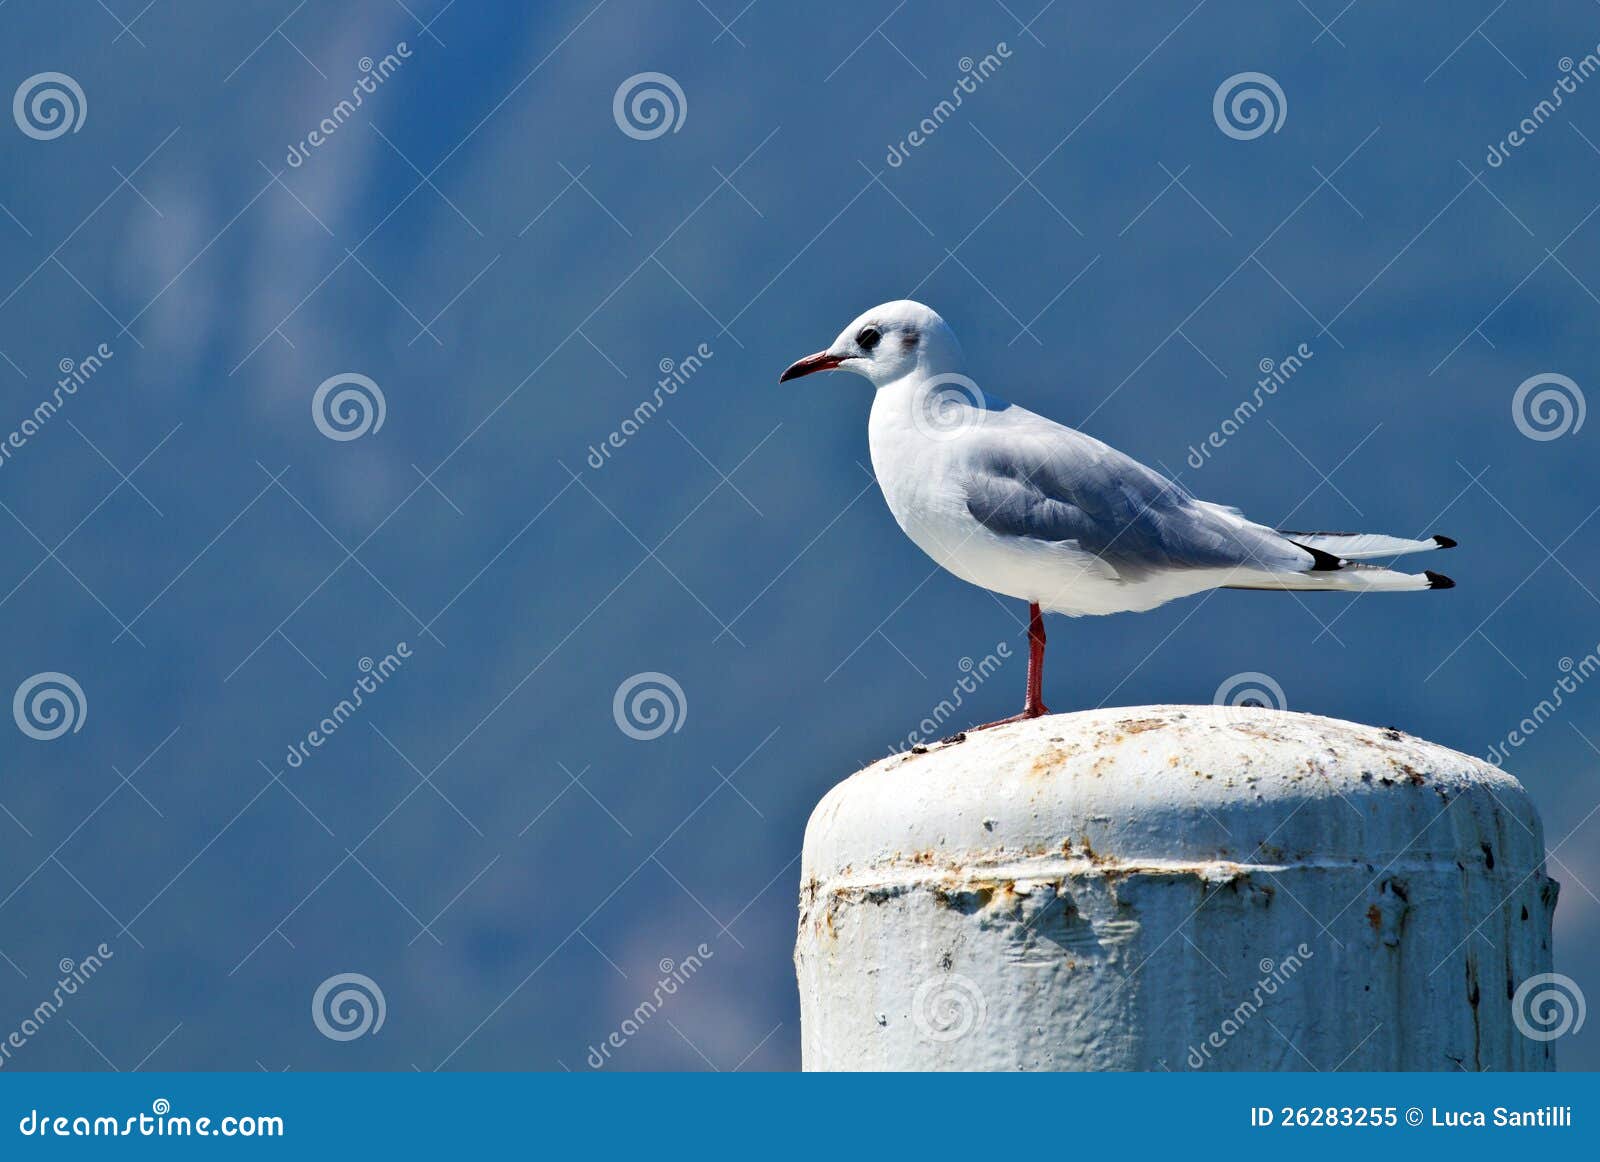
(1050,483)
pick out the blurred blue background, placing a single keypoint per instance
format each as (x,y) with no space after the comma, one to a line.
(483,240)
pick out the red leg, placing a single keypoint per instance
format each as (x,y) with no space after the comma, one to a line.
(1033,705)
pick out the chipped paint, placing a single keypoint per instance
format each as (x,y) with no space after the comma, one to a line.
(1091,875)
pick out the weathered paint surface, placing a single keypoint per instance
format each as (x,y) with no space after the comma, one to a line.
(1173,887)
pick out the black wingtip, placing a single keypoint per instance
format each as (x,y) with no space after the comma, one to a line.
(1438,580)
(1321,562)
(1444,542)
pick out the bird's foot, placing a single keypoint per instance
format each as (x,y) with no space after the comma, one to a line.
(1033,710)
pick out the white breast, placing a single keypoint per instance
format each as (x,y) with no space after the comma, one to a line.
(920,468)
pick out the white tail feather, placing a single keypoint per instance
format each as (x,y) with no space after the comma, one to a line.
(1353,579)
(1365,546)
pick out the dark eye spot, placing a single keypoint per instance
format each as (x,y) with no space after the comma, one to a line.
(868,339)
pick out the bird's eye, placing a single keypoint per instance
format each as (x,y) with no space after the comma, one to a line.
(868,339)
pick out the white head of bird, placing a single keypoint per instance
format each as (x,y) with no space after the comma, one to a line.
(886,344)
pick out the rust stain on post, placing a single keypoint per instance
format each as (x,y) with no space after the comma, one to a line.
(1173,887)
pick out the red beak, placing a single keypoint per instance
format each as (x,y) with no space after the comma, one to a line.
(821,361)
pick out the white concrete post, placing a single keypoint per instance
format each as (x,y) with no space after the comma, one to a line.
(1174,887)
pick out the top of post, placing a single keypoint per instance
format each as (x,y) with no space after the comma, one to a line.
(1182,785)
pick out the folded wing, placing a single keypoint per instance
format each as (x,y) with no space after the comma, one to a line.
(1030,477)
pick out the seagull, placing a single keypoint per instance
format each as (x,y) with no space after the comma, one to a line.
(1026,507)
